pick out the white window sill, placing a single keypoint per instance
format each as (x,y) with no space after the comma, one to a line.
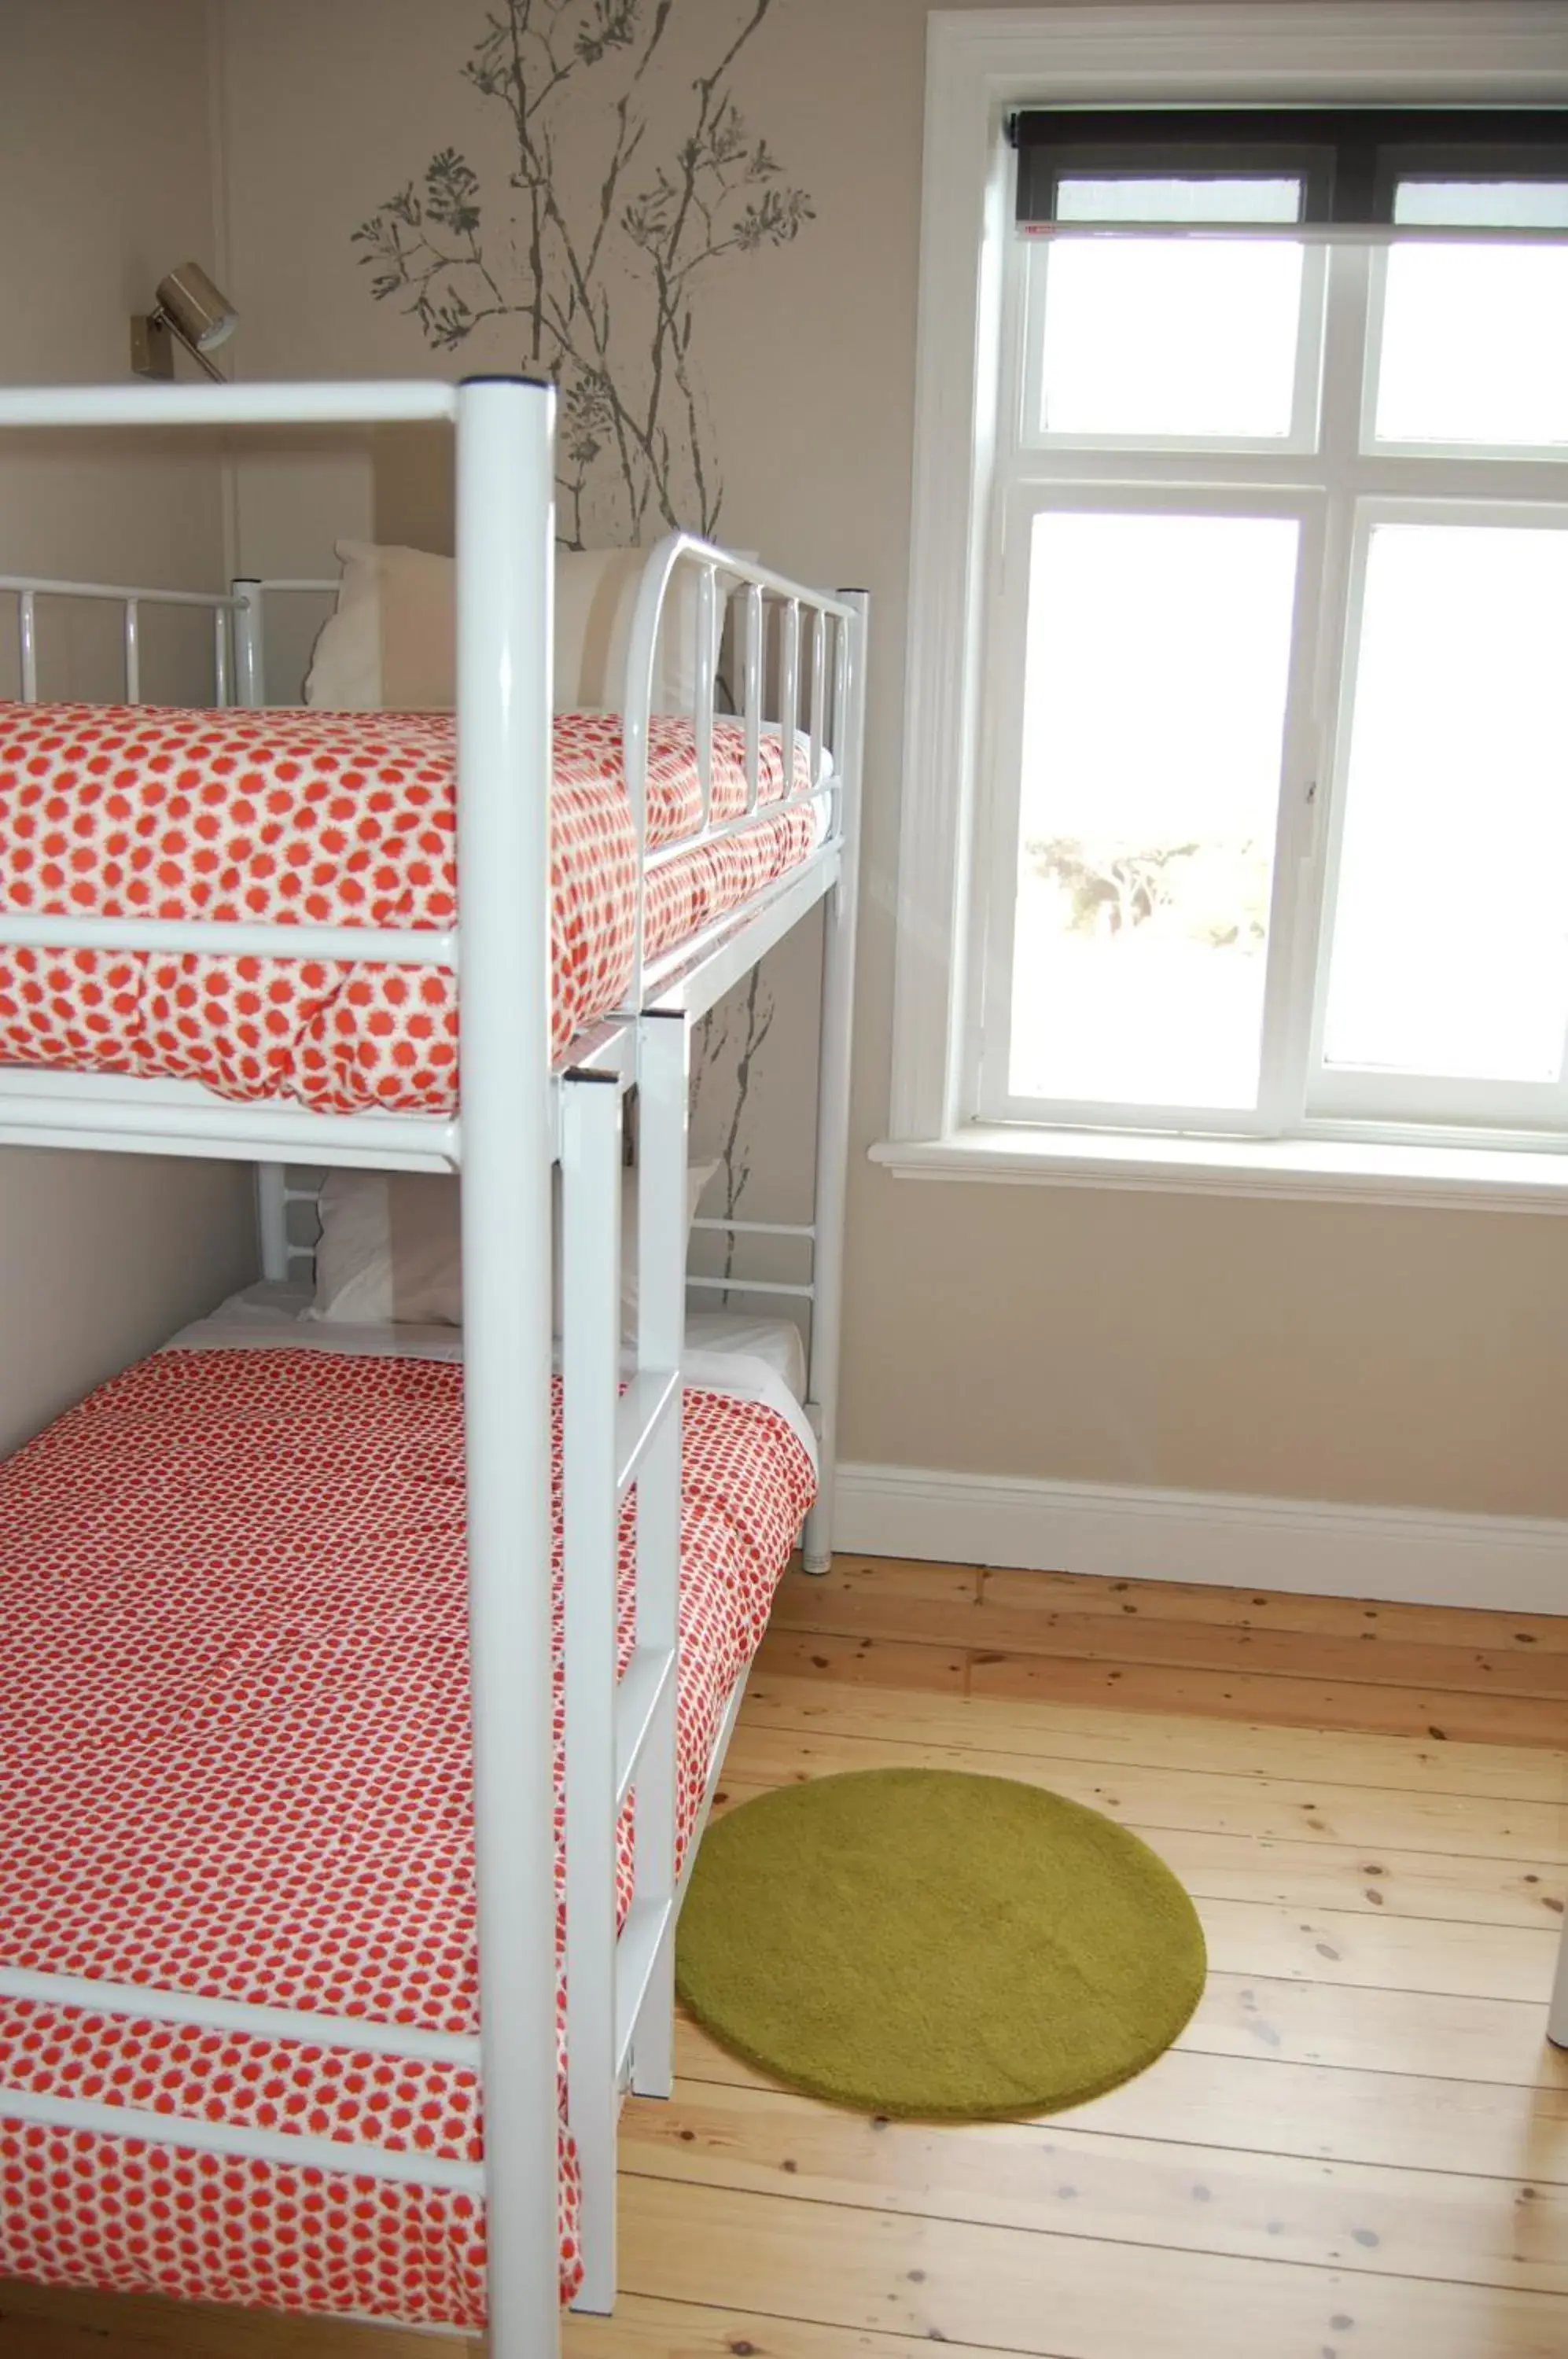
(1322,1170)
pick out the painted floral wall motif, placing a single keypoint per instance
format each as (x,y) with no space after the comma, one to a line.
(628,174)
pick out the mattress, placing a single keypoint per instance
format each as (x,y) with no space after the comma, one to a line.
(340,819)
(234,1761)
(725,1350)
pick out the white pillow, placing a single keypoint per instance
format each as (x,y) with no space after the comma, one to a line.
(391,644)
(391,1248)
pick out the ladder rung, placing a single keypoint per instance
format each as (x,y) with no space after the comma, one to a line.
(637,1698)
(642,1409)
(647,1926)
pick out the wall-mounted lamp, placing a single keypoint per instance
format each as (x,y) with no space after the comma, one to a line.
(188,309)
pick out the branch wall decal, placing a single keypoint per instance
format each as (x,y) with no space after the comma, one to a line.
(625,187)
(627,178)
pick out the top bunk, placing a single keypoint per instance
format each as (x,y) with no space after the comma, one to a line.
(241,928)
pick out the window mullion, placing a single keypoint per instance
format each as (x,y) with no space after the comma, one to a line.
(1336,343)
(1318,812)
(1287,1009)
(1348,355)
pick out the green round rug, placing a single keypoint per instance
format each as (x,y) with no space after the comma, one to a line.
(922,1943)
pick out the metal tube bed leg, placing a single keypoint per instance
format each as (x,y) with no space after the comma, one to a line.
(1557,2015)
(590,1371)
(662,1317)
(506,537)
(832,1087)
(272,1218)
(250,647)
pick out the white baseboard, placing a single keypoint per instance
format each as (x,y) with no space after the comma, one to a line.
(1406,1555)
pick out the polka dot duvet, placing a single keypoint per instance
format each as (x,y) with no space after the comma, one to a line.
(341,819)
(235,1760)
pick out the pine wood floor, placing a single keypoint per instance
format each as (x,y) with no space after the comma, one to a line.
(1357,2150)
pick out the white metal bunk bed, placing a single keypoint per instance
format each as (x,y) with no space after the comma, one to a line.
(518,1115)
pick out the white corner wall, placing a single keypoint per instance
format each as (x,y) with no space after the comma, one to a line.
(106,182)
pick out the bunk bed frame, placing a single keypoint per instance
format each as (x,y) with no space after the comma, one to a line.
(518,1116)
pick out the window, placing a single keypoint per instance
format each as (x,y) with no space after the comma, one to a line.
(1233,751)
(1272,776)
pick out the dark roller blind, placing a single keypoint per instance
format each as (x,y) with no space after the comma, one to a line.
(1293,171)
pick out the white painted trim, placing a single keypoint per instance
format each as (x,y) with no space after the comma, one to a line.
(1449,1178)
(978,61)
(1409,1556)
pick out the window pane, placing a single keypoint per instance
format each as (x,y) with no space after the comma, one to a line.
(1451,931)
(1482,205)
(1475,345)
(1157,662)
(1237,200)
(1170,336)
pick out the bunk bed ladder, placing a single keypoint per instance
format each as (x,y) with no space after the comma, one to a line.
(620,1738)
(663,1105)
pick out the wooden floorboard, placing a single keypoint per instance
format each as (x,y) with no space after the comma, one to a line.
(848,1608)
(1063,2180)
(1399,2120)
(1357,2150)
(1219,1801)
(1233,1654)
(1180,1601)
(1055,1730)
(1048,2293)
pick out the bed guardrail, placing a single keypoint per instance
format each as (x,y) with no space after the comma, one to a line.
(27,588)
(770,608)
(239,628)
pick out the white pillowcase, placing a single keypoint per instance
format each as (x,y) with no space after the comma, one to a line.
(391,644)
(391,1247)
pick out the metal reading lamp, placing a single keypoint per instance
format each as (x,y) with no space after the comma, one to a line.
(187,309)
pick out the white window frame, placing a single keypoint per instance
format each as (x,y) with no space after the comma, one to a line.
(1384,1099)
(997,813)
(980,63)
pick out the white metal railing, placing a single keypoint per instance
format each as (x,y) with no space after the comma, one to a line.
(27,588)
(367,401)
(238,641)
(722,580)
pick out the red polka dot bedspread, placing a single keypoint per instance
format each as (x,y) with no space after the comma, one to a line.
(343,819)
(233,1740)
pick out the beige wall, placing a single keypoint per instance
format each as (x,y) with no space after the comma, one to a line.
(1345,1352)
(104,183)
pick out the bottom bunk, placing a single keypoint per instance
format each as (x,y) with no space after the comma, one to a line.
(235,1728)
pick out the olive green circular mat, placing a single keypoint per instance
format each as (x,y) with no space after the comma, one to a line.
(911,1941)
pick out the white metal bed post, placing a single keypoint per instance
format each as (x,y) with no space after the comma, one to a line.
(832,1080)
(250,644)
(249,674)
(1557,2014)
(506,537)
